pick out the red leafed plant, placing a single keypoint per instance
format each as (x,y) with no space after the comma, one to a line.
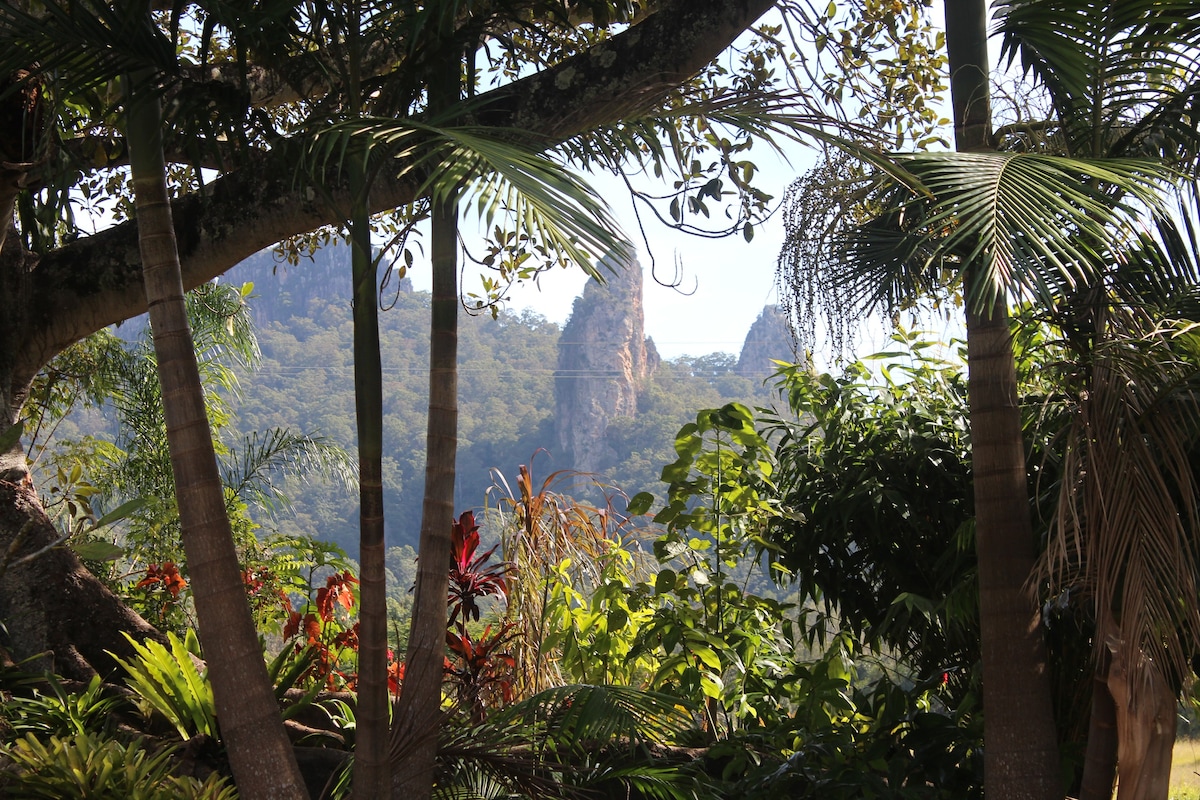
(163,576)
(318,627)
(471,577)
(478,667)
(481,671)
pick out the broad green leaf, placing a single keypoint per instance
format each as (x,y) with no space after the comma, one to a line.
(97,550)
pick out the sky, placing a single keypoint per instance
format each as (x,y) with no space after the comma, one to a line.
(723,283)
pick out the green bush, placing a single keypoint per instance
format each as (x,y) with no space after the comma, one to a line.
(92,767)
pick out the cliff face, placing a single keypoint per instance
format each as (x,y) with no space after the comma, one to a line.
(769,338)
(604,359)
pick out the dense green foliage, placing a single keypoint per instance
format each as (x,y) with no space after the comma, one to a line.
(506,386)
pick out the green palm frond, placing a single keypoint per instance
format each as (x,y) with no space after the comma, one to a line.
(580,716)
(253,470)
(1123,76)
(535,194)
(1035,225)
(495,174)
(89,44)
(567,742)
(767,119)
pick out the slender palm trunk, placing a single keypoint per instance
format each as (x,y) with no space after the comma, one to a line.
(1100,758)
(262,759)
(1020,740)
(418,712)
(371,767)
(371,773)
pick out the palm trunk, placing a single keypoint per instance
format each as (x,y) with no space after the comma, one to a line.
(371,772)
(1100,758)
(1020,740)
(371,767)
(418,711)
(260,755)
(1146,731)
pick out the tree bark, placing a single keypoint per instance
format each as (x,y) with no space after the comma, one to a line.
(1100,758)
(50,300)
(260,754)
(372,774)
(418,710)
(1146,731)
(51,606)
(1020,739)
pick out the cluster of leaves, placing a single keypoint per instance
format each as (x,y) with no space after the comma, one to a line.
(790,706)
(64,742)
(875,472)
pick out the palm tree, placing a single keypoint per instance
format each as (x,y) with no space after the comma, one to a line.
(93,46)
(1044,228)
(1020,743)
(260,753)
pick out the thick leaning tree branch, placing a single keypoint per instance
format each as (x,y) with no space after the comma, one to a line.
(96,281)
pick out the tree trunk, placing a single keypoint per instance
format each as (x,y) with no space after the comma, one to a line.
(1146,731)
(1100,758)
(1020,740)
(418,711)
(51,604)
(260,755)
(372,776)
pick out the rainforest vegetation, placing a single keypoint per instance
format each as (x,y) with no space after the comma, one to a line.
(948,570)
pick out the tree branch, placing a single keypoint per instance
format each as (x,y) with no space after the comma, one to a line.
(93,282)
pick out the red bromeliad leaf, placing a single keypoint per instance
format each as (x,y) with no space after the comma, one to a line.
(464,541)
(151,578)
(395,673)
(347,638)
(165,575)
(286,603)
(172,580)
(293,624)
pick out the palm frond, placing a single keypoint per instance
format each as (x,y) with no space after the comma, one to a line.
(253,470)
(537,195)
(498,176)
(581,716)
(1127,512)
(1122,76)
(567,742)
(87,44)
(1036,225)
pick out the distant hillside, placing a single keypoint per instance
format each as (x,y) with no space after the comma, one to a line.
(508,373)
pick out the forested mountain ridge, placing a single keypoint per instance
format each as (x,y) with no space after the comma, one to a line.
(507,384)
